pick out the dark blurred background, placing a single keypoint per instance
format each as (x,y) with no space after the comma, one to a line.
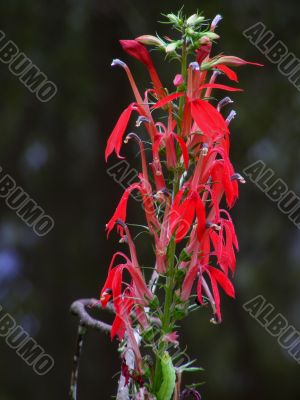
(55,151)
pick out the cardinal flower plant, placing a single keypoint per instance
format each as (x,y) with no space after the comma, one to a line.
(186,185)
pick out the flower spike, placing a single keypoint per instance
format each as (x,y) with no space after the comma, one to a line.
(185,196)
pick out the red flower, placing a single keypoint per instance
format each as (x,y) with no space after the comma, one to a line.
(115,139)
(203,52)
(206,116)
(208,119)
(221,173)
(228,72)
(234,61)
(182,192)
(139,51)
(183,213)
(216,276)
(121,211)
(136,293)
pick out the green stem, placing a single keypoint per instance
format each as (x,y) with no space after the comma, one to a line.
(170,280)
(184,74)
(169,286)
(170,283)
(169,290)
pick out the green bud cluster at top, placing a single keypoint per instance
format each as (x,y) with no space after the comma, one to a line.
(194,33)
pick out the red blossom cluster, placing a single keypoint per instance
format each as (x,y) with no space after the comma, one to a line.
(187,211)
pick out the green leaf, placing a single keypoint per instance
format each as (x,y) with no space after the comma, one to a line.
(184,256)
(192,369)
(154,303)
(180,312)
(169,378)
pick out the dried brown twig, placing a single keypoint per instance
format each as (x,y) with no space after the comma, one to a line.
(79,308)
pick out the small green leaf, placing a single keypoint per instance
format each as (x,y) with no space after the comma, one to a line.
(148,334)
(154,303)
(180,312)
(192,369)
(184,256)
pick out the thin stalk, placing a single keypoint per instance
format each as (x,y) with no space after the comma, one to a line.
(169,291)
(170,280)
(184,75)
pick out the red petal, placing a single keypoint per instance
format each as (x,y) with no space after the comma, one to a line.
(216,294)
(217,243)
(201,219)
(199,291)
(188,282)
(114,142)
(235,61)
(222,87)
(158,179)
(186,119)
(184,150)
(118,328)
(167,99)
(139,282)
(223,281)
(137,50)
(176,202)
(121,209)
(185,217)
(181,216)
(209,120)
(228,72)
(117,285)
(203,52)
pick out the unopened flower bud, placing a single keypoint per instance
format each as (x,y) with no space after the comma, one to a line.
(212,35)
(194,19)
(178,80)
(171,47)
(173,18)
(233,61)
(204,40)
(171,337)
(150,40)
(190,31)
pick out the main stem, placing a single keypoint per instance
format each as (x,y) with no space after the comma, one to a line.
(170,279)
(170,282)
(169,290)
(184,75)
